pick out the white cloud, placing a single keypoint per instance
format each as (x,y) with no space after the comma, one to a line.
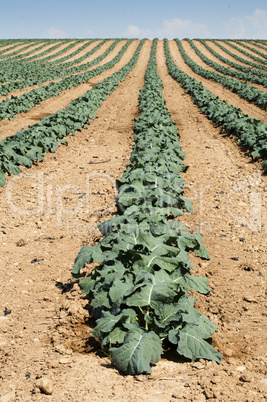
(258,19)
(177,28)
(55,33)
(174,28)
(134,31)
(252,26)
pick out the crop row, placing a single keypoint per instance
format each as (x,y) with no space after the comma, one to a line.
(139,292)
(17,53)
(11,107)
(258,43)
(249,54)
(35,73)
(249,76)
(28,145)
(14,46)
(65,57)
(243,89)
(257,68)
(40,57)
(31,54)
(56,72)
(252,49)
(250,132)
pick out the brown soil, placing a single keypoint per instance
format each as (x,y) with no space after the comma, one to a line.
(51,52)
(254,46)
(51,105)
(81,53)
(208,54)
(20,46)
(92,57)
(10,45)
(240,54)
(217,89)
(242,45)
(49,211)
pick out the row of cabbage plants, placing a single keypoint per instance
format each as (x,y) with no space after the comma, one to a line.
(233,44)
(10,107)
(36,73)
(250,132)
(139,292)
(29,145)
(243,89)
(245,67)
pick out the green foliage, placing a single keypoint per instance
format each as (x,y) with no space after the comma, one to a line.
(18,104)
(243,89)
(250,132)
(139,292)
(28,145)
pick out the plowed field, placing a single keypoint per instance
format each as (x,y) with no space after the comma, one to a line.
(52,209)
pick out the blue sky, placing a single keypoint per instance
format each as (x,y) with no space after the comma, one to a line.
(139,18)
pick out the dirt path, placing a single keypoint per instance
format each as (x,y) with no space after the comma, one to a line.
(51,105)
(75,47)
(90,58)
(61,47)
(225,54)
(207,53)
(238,53)
(7,53)
(219,179)
(243,45)
(254,46)
(42,245)
(218,89)
(10,45)
(81,53)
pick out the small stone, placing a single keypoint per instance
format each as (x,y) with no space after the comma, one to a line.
(141,377)
(246,378)
(60,349)
(216,379)
(228,352)
(65,360)
(45,385)
(250,299)
(264,381)
(21,243)
(214,310)
(208,393)
(73,309)
(198,365)
(240,368)
(54,364)
(216,393)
